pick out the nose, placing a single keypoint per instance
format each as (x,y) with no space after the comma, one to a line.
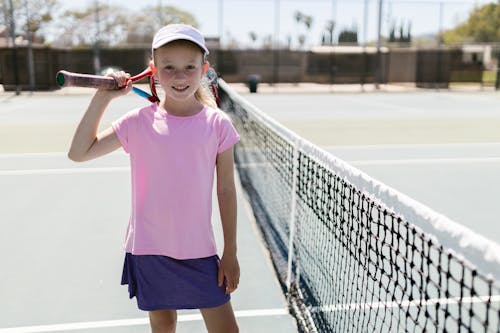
(179,73)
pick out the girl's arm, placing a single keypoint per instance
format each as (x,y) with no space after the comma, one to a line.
(226,195)
(86,144)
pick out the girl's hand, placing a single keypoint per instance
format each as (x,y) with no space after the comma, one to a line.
(123,81)
(230,270)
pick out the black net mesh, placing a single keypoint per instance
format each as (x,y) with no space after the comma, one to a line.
(353,265)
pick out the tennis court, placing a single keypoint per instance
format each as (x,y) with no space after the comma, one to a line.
(63,226)
(388,263)
(63,223)
(440,148)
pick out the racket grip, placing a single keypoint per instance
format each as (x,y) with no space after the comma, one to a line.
(69,79)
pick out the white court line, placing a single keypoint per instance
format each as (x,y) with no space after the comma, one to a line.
(61,171)
(412,145)
(406,303)
(131,322)
(426,161)
(51,154)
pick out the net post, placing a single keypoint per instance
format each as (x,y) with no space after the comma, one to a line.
(291,235)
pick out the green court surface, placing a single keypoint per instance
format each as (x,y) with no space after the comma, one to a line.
(63,226)
(441,148)
(63,223)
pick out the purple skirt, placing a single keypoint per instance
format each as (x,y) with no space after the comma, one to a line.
(161,283)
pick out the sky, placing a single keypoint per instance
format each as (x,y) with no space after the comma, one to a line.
(240,17)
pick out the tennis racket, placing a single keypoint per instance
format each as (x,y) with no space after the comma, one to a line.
(70,79)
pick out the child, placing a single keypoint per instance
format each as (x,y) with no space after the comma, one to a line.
(175,146)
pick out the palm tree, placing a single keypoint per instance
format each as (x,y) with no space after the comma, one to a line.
(253,37)
(298,18)
(302,40)
(308,21)
(330,26)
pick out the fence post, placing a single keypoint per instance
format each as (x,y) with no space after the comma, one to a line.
(378,68)
(497,82)
(14,49)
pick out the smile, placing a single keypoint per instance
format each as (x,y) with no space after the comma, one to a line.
(180,88)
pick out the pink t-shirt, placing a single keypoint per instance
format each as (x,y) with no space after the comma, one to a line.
(172,164)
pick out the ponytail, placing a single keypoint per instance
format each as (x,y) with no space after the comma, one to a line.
(204,96)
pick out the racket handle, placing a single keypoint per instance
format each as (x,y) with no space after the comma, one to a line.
(69,79)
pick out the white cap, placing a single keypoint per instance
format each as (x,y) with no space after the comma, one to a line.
(172,32)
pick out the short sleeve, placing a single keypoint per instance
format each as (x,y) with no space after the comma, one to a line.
(123,128)
(227,134)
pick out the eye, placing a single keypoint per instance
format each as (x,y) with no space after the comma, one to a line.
(190,67)
(169,68)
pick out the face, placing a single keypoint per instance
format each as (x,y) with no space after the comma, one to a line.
(180,68)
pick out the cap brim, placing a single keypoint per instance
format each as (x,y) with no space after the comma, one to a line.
(164,41)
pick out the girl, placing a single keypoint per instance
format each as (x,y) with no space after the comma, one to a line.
(175,146)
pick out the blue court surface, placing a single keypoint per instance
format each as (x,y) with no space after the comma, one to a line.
(63,223)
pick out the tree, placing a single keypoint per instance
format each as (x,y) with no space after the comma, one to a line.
(481,26)
(348,36)
(307,20)
(267,42)
(117,25)
(40,17)
(298,17)
(404,36)
(253,36)
(408,36)
(328,38)
(168,14)
(143,26)
(301,39)
(79,27)
(392,33)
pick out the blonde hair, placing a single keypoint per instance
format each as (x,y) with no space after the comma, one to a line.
(203,94)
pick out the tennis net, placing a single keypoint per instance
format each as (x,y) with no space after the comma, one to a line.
(352,254)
